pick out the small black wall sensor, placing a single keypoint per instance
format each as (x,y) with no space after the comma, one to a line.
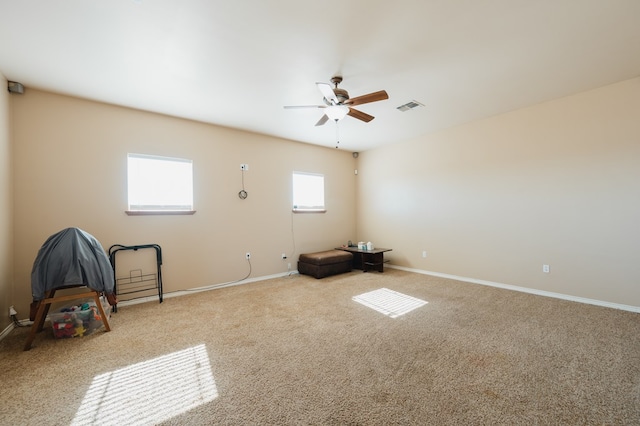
(15,87)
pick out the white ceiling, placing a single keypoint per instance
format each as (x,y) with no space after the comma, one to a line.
(236,63)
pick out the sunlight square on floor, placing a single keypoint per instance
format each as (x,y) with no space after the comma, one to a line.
(149,392)
(389,302)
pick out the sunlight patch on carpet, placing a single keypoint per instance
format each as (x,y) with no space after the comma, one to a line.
(389,302)
(149,392)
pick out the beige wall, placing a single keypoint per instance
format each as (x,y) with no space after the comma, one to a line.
(70,159)
(6,225)
(557,183)
(493,200)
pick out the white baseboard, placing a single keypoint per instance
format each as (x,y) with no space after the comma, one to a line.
(7,330)
(204,288)
(11,326)
(629,308)
(523,289)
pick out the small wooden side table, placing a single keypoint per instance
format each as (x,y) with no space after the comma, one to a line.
(367,260)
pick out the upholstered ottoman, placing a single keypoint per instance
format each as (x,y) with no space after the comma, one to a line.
(325,263)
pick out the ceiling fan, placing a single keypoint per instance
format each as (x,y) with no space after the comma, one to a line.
(338,104)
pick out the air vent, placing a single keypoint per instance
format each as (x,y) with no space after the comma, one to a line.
(409,105)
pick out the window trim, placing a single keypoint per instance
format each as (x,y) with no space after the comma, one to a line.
(158,212)
(318,209)
(151,211)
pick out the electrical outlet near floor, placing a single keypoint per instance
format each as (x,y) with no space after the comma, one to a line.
(248,255)
(545,269)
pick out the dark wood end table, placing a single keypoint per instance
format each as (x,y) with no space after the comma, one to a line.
(367,260)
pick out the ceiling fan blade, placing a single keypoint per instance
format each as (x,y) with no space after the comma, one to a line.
(322,120)
(303,106)
(327,92)
(360,115)
(365,99)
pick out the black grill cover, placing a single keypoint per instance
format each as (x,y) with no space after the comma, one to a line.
(71,257)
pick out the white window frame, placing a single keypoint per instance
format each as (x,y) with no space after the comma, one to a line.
(148,189)
(302,205)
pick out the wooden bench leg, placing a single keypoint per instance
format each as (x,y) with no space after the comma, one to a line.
(103,314)
(37,325)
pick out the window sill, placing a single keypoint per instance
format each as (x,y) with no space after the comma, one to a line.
(158,212)
(309,210)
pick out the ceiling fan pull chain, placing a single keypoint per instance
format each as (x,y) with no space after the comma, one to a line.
(337,135)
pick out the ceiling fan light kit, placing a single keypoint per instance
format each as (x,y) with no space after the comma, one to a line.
(336,112)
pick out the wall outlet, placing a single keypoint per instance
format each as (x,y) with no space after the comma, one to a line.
(284,256)
(424,253)
(545,269)
(244,167)
(248,255)
(12,311)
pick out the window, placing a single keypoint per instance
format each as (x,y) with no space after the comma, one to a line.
(159,185)
(308,192)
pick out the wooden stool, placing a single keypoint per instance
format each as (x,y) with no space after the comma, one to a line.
(45,304)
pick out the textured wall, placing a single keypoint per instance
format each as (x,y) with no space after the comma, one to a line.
(557,183)
(70,170)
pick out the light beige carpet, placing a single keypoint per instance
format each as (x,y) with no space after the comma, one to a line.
(300,351)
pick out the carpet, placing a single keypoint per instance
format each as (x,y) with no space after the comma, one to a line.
(300,351)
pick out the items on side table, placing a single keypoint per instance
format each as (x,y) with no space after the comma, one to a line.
(367,259)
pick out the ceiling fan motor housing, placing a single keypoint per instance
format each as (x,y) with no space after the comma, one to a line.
(341,94)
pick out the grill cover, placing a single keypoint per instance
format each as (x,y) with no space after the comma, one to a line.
(72,257)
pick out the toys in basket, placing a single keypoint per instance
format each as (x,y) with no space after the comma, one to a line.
(77,320)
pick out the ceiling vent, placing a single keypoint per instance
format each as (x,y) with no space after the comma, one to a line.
(409,105)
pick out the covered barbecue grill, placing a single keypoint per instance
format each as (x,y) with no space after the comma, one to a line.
(70,258)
